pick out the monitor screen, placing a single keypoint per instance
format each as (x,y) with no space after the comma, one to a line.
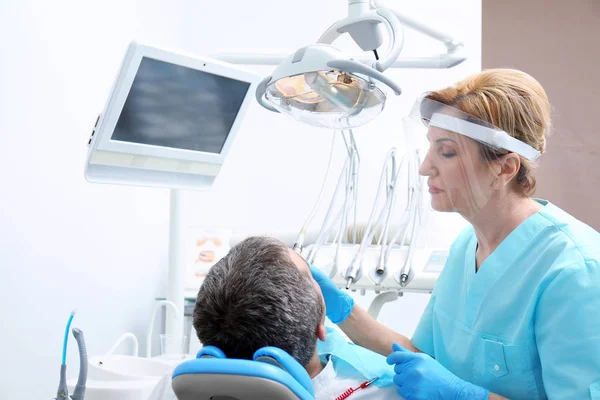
(178,107)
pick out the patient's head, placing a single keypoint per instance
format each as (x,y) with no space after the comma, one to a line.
(260,294)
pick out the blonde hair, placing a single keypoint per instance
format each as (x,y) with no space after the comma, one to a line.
(511,100)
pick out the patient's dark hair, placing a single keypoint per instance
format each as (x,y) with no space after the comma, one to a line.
(255,296)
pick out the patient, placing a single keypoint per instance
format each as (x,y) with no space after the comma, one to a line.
(263,294)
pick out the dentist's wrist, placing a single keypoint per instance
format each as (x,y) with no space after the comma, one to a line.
(472,392)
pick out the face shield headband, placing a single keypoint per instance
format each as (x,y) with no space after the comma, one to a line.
(432,113)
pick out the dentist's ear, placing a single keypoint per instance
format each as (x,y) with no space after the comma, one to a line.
(509,167)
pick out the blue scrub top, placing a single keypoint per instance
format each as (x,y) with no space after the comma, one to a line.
(527,324)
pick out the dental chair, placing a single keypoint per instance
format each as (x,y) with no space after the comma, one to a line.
(272,374)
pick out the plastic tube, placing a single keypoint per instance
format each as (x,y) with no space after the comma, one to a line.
(392,192)
(350,173)
(300,239)
(401,229)
(353,270)
(67,330)
(373,210)
(382,265)
(387,244)
(348,205)
(342,214)
(371,230)
(326,233)
(405,272)
(355,172)
(355,203)
(324,226)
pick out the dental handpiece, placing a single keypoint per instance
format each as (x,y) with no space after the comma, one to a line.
(297,248)
(299,244)
(381,265)
(353,272)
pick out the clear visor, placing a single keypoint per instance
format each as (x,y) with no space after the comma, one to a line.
(432,113)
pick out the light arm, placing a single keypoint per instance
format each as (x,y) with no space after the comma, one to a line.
(451,44)
(435,62)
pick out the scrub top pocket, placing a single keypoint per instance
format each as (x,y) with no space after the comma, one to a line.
(505,369)
(494,359)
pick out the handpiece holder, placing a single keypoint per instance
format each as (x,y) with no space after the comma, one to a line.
(427,265)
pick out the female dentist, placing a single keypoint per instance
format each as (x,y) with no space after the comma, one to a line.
(516,311)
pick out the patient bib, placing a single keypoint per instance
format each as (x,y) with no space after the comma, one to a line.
(350,359)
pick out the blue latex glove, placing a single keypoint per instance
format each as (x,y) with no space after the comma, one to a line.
(338,304)
(418,376)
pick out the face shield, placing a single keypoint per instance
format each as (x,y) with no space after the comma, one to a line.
(431,113)
(460,166)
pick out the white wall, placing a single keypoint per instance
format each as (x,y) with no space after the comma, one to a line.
(102,249)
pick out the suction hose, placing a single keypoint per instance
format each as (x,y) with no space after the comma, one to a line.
(79,392)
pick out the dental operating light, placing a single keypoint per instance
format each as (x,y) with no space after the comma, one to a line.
(320,85)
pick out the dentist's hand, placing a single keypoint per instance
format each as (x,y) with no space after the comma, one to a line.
(338,304)
(418,376)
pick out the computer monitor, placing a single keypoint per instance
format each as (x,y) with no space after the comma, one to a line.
(169,121)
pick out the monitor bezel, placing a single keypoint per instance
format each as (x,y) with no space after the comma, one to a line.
(131,62)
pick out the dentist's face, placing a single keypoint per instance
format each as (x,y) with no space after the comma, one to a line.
(459,178)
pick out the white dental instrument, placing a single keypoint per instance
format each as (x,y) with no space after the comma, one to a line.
(79,391)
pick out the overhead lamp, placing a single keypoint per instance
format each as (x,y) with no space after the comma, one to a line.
(322,86)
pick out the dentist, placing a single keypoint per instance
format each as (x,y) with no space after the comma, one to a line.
(516,311)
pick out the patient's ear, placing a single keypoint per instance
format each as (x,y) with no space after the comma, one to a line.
(321,332)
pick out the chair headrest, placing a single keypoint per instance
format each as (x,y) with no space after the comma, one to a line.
(269,363)
(278,357)
(210,352)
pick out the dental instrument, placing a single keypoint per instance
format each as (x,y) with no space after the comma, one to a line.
(63,391)
(406,271)
(363,385)
(79,392)
(387,245)
(354,269)
(80,387)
